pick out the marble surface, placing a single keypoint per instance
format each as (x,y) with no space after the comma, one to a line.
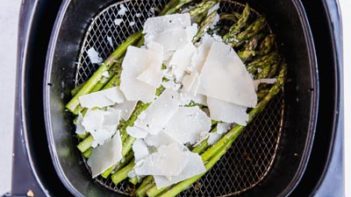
(9,10)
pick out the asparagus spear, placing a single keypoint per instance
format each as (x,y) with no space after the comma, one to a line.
(269,59)
(249,32)
(200,10)
(173,6)
(205,25)
(230,16)
(215,152)
(122,174)
(267,44)
(116,167)
(236,27)
(88,153)
(97,76)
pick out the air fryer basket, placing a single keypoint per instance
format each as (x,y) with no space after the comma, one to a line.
(282,133)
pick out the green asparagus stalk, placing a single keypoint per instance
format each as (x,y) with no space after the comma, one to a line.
(249,32)
(85,144)
(105,66)
(122,174)
(88,153)
(235,29)
(75,90)
(200,10)
(273,70)
(269,59)
(142,190)
(205,25)
(267,44)
(230,16)
(173,6)
(133,180)
(118,166)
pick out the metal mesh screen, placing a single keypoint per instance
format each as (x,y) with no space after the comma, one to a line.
(250,158)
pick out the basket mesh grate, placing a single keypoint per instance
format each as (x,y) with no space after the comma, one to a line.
(251,156)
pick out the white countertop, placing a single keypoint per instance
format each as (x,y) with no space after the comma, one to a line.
(9,10)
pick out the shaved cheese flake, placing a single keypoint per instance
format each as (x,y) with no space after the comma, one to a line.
(225,77)
(227,112)
(137,132)
(106,155)
(171,39)
(79,127)
(202,52)
(191,83)
(169,160)
(122,10)
(102,98)
(94,56)
(118,21)
(109,40)
(213,138)
(221,129)
(194,167)
(266,81)
(157,115)
(152,75)
(135,62)
(101,124)
(188,125)
(155,25)
(213,9)
(105,74)
(140,149)
(126,109)
(181,59)
(173,32)
(159,139)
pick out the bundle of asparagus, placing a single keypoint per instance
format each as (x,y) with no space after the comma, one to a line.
(255,46)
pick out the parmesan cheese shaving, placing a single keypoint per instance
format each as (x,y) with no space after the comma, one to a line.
(126,109)
(225,77)
(94,56)
(102,98)
(106,155)
(101,124)
(167,161)
(227,112)
(158,114)
(135,62)
(194,166)
(79,127)
(188,125)
(140,149)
